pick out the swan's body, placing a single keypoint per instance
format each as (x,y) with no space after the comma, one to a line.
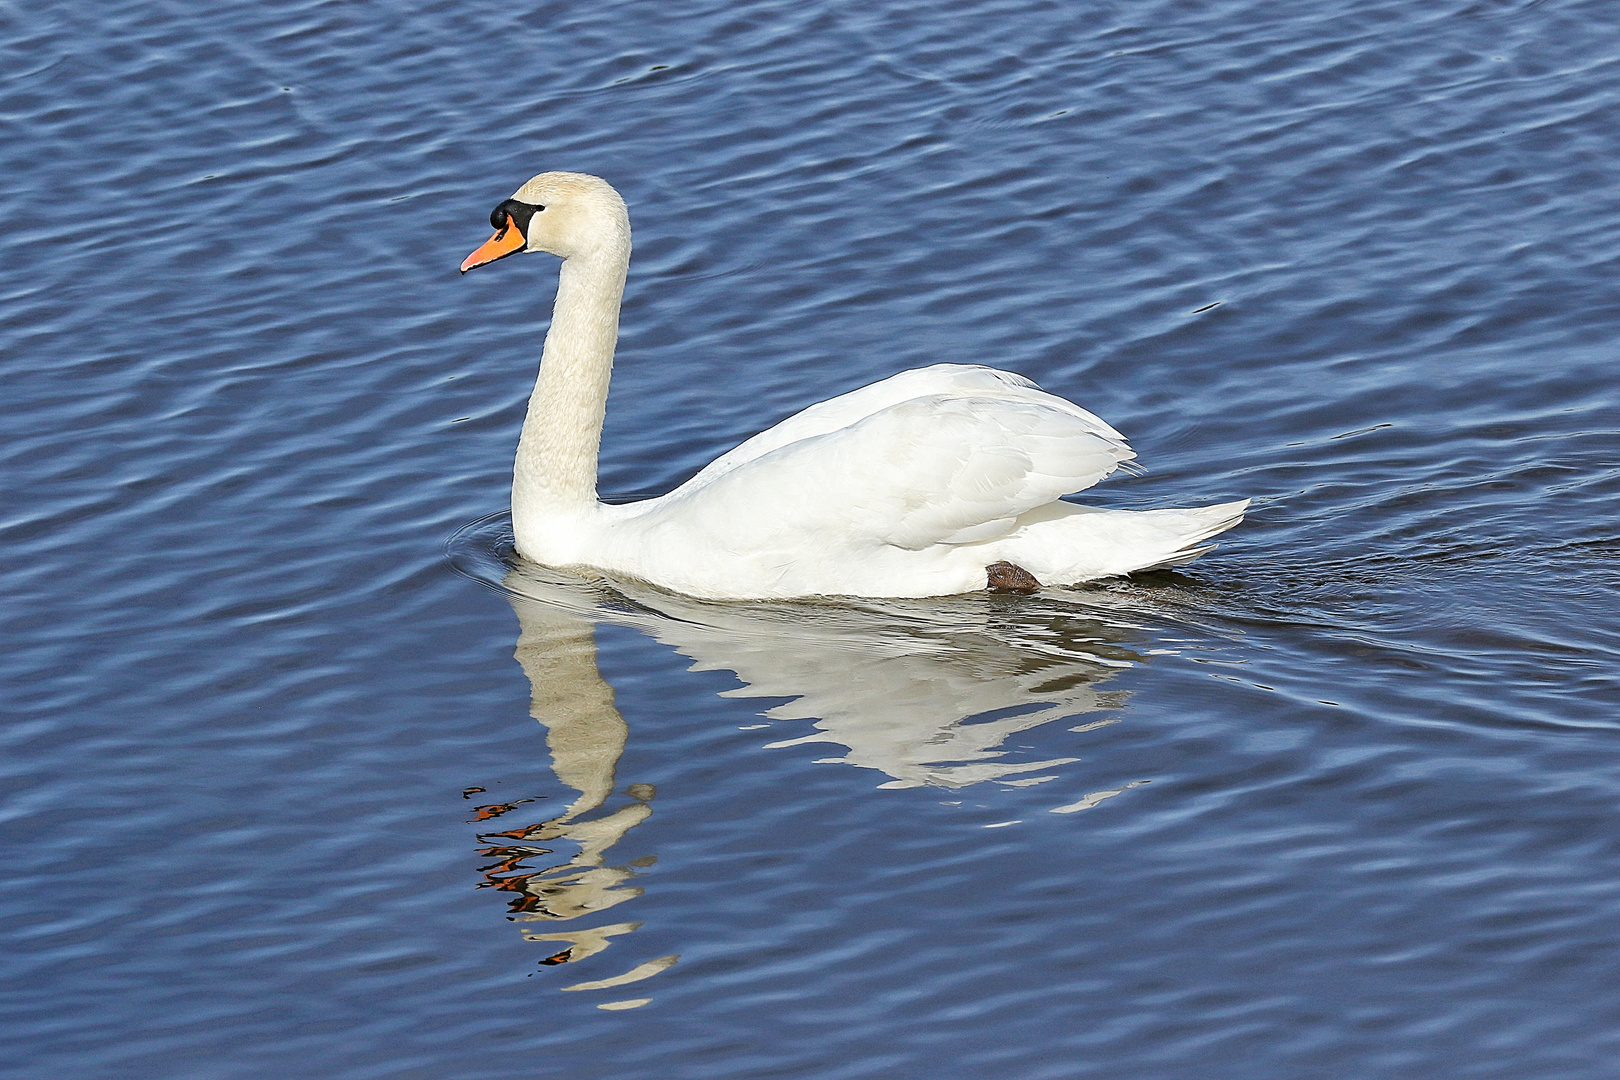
(912,486)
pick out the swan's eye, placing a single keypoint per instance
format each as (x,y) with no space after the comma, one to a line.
(518,213)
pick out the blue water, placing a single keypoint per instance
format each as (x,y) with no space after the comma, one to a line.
(1338,801)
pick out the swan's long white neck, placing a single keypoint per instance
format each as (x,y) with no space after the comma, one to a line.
(554,477)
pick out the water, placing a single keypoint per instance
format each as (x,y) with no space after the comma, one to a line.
(1338,801)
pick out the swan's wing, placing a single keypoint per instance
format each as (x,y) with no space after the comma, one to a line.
(931,470)
(940,380)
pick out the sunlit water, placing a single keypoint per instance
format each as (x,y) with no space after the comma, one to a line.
(1338,801)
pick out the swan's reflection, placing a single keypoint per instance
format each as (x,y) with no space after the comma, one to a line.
(926,692)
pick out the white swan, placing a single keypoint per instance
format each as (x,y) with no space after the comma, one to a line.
(939,480)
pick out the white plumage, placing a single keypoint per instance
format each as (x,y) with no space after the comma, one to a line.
(912,486)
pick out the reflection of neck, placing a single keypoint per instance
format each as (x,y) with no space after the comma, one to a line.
(586,735)
(584,731)
(555,471)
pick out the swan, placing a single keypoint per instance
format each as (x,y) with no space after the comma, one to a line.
(936,481)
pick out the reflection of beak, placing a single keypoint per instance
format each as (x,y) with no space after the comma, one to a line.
(508,241)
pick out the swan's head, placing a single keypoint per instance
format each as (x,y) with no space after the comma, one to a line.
(566,214)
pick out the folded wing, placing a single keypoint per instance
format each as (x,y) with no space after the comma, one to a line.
(955,467)
(937,381)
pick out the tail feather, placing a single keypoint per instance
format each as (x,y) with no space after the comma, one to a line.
(1189,528)
(1065,543)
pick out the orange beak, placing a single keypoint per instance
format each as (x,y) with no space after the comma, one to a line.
(508,241)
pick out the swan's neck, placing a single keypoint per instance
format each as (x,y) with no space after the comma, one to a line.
(554,477)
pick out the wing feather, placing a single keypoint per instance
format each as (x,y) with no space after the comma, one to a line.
(939,380)
(946,468)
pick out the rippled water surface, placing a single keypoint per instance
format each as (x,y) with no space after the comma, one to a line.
(1338,801)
